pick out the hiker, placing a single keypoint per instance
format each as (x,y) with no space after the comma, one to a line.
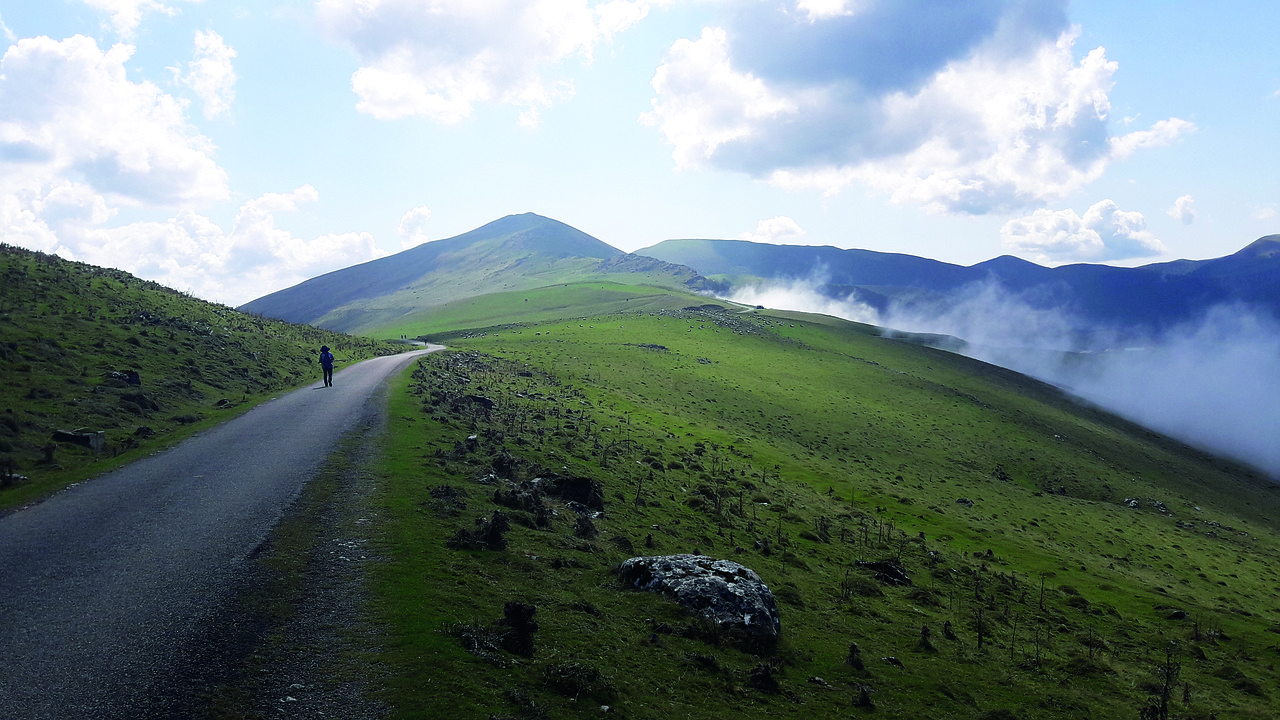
(326,362)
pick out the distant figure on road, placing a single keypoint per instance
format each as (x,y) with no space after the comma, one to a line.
(326,363)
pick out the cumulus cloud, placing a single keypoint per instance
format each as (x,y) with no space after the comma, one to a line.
(124,16)
(705,103)
(413,227)
(438,59)
(68,112)
(1105,232)
(966,108)
(776,229)
(1183,210)
(210,74)
(189,251)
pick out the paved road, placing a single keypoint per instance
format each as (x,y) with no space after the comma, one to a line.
(112,591)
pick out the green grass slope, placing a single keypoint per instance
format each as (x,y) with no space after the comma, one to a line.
(798,448)
(69,335)
(540,304)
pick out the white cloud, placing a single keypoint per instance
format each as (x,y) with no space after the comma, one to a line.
(126,15)
(1162,133)
(703,102)
(803,295)
(413,227)
(1213,383)
(69,113)
(777,229)
(188,251)
(438,59)
(1264,213)
(1183,210)
(983,109)
(210,74)
(8,34)
(816,10)
(1104,233)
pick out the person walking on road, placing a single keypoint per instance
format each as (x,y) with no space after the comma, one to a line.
(326,363)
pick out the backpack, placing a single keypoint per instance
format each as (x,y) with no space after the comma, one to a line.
(326,358)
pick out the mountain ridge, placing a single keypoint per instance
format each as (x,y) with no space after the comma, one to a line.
(526,251)
(1148,299)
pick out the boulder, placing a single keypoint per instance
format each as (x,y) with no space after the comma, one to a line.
(95,441)
(889,572)
(722,591)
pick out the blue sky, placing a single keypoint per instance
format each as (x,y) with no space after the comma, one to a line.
(234,149)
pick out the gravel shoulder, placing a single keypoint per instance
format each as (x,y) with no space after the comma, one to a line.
(310,649)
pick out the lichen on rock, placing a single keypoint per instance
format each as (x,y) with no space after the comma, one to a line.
(722,591)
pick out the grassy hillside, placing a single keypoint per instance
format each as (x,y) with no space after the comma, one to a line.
(539,304)
(515,253)
(798,448)
(92,349)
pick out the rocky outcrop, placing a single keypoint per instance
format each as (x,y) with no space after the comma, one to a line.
(722,591)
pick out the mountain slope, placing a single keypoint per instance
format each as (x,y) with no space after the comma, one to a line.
(513,253)
(84,347)
(1053,551)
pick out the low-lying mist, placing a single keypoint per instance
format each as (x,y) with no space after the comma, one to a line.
(1213,383)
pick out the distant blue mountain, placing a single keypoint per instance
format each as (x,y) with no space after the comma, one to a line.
(1145,299)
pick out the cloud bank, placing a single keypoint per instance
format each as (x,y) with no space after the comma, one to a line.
(69,113)
(192,253)
(1213,383)
(965,108)
(804,295)
(79,140)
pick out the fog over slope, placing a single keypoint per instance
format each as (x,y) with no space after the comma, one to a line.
(1213,383)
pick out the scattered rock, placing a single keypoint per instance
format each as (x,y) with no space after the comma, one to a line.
(488,534)
(722,591)
(889,572)
(965,502)
(520,626)
(95,441)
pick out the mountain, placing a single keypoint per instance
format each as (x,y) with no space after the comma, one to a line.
(1145,299)
(516,252)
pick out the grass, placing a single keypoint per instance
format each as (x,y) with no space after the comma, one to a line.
(794,445)
(797,448)
(539,305)
(71,333)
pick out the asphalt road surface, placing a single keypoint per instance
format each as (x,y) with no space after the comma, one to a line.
(114,592)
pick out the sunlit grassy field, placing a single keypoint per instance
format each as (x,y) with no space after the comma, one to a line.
(797,448)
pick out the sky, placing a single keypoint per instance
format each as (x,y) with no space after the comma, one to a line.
(233,149)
